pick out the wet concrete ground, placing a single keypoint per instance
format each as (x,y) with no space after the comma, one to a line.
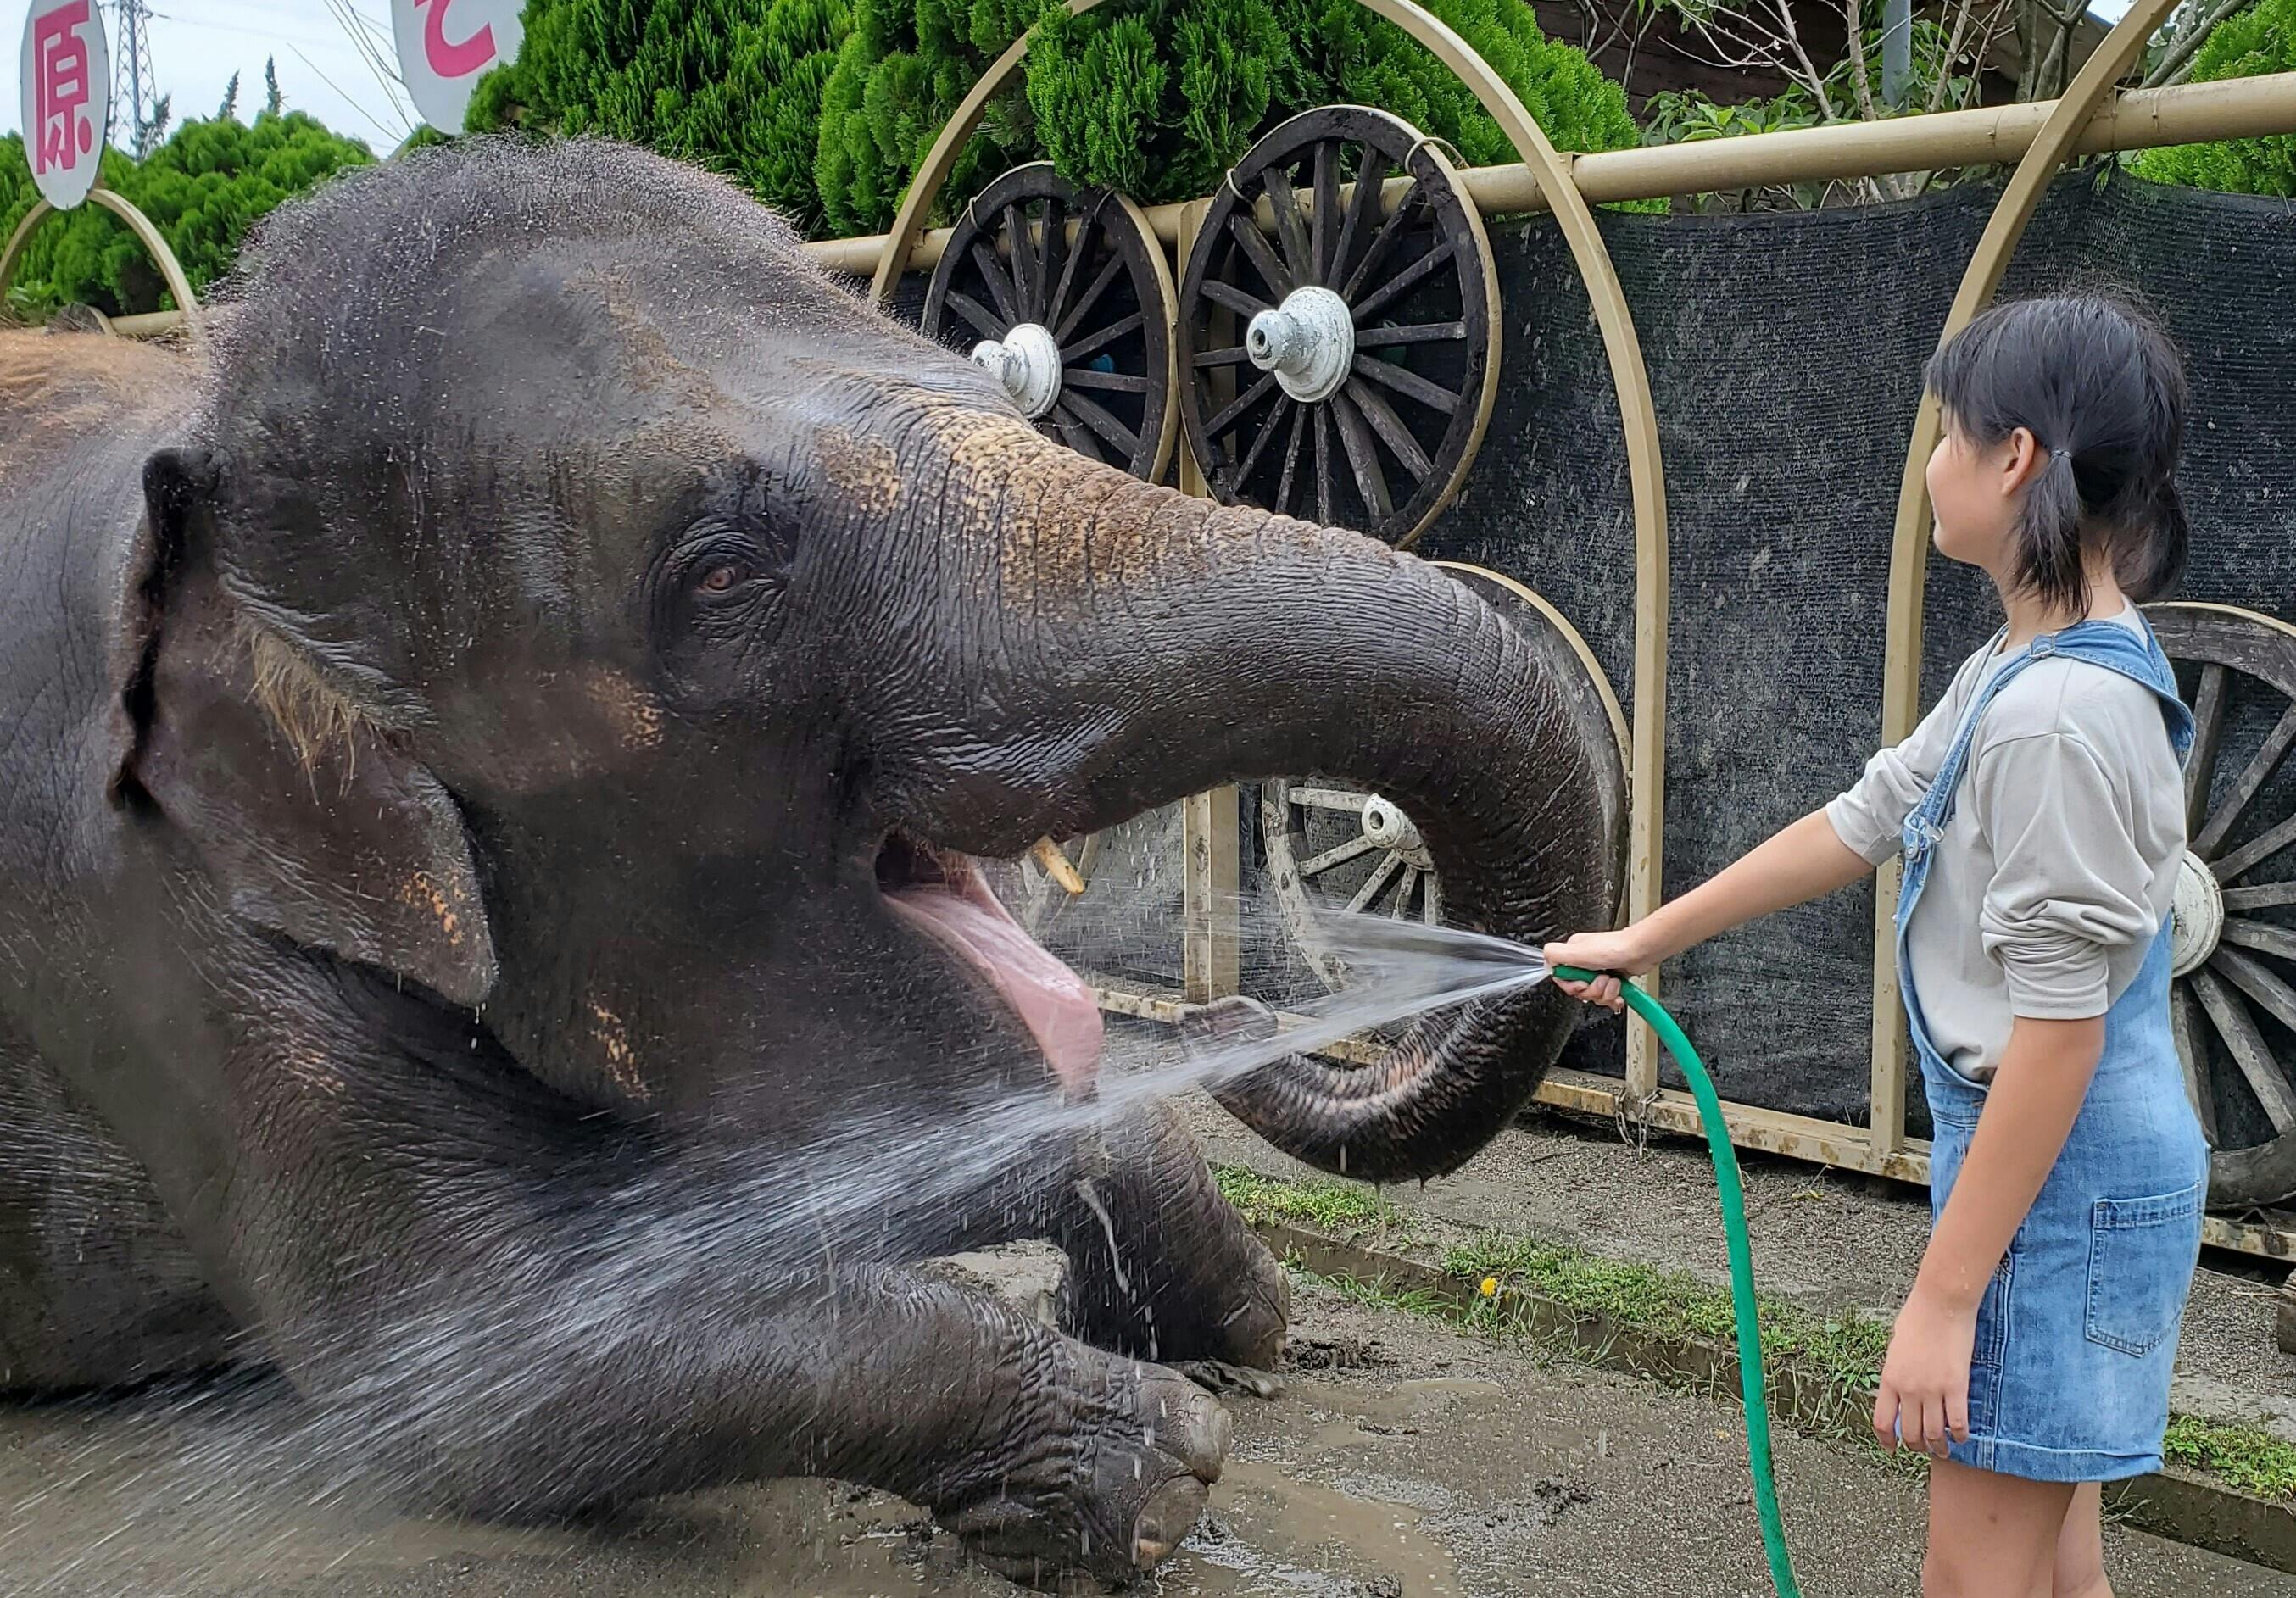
(1402,1459)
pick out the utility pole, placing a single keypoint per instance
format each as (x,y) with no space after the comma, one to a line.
(138,90)
(1896,51)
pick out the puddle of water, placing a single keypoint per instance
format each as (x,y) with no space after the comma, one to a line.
(1308,1518)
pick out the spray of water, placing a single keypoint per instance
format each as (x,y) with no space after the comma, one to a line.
(665,1260)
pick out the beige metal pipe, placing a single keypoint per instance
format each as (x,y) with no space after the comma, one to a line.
(2138,119)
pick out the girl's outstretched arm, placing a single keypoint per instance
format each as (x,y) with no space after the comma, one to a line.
(2037,1093)
(1799,863)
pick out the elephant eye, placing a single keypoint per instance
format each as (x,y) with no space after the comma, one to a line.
(722,577)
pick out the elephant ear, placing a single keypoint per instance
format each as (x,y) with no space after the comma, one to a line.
(314,823)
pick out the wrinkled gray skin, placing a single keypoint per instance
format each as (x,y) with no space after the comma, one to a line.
(426,893)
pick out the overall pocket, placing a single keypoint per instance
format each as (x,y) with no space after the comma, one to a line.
(2141,1255)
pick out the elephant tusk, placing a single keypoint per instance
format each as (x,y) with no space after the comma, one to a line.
(1047,854)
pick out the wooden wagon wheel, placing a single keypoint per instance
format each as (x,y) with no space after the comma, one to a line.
(1332,846)
(1062,293)
(1338,357)
(2233,936)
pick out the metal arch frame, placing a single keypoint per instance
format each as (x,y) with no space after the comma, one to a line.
(119,205)
(1901,661)
(1637,408)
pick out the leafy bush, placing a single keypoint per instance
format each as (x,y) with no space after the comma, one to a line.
(1158,98)
(734,86)
(201,189)
(2260,40)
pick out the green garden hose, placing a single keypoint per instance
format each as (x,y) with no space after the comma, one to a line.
(1741,1270)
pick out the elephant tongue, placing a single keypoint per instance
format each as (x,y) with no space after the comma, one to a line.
(1053,1002)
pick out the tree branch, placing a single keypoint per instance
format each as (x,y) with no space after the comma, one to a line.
(2175,65)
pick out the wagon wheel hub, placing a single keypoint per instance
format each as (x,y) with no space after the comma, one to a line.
(2196,917)
(1308,342)
(1027,360)
(1385,827)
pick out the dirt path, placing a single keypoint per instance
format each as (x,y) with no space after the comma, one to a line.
(1404,1458)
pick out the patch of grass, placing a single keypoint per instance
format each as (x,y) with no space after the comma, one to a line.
(1846,1349)
(1345,1207)
(2255,1462)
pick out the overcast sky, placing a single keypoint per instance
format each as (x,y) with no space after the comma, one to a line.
(197,45)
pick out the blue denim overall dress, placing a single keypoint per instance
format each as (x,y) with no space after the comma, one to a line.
(2077,1330)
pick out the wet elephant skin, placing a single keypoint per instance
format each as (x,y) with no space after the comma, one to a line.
(463,734)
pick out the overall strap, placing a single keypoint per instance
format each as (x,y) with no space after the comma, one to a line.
(2105,643)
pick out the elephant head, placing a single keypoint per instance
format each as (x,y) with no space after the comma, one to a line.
(645,638)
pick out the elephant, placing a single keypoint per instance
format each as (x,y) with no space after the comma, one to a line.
(498,745)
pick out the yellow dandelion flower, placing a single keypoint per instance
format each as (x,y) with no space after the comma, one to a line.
(1490,1287)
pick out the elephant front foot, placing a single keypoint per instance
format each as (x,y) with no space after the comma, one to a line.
(1104,1497)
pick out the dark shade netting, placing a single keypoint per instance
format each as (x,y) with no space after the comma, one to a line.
(1785,352)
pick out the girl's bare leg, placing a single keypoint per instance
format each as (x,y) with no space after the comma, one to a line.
(1992,1536)
(2080,1547)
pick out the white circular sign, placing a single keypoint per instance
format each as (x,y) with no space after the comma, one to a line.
(67,83)
(445,47)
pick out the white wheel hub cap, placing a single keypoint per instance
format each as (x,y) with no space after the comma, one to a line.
(1027,360)
(1308,342)
(2196,916)
(1389,828)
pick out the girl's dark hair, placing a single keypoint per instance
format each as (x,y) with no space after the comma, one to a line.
(2102,389)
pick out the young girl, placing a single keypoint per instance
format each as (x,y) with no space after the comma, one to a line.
(2041,811)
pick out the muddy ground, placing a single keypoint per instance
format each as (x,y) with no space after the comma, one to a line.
(1403,1458)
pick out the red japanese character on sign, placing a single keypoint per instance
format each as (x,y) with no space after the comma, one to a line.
(63,132)
(447,58)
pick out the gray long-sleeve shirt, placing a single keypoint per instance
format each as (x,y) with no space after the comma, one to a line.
(2057,864)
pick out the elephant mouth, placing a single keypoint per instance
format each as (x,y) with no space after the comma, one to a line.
(943,893)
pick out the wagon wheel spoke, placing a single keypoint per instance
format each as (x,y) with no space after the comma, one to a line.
(1235,298)
(1402,282)
(1235,355)
(1111,382)
(1322,425)
(1362,456)
(1338,854)
(2269,896)
(2208,727)
(1409,384)
(1418,333)
(1390,427)
(2255,979)
(1024,261)
(2192,1054)
(1239,406)
(1000,286)
(1088,233)
(1276,414)
(1390,233)
(1290,229)
(1077,438)
(2248,1049)
(1107,426)
(1291,460)
(2250,856)
(1433,909)
(1255,248)
(2209,838)
(1373,883)
(1325,226)
(1090,298)
(1402,906)
(1329,798)
(2261,935)
(1084,348)
(985,322)
(1371,177)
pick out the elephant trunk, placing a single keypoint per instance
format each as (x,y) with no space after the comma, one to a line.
(1156,645)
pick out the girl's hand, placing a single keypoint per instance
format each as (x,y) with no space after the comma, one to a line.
(1924,1397)
(1627,953)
